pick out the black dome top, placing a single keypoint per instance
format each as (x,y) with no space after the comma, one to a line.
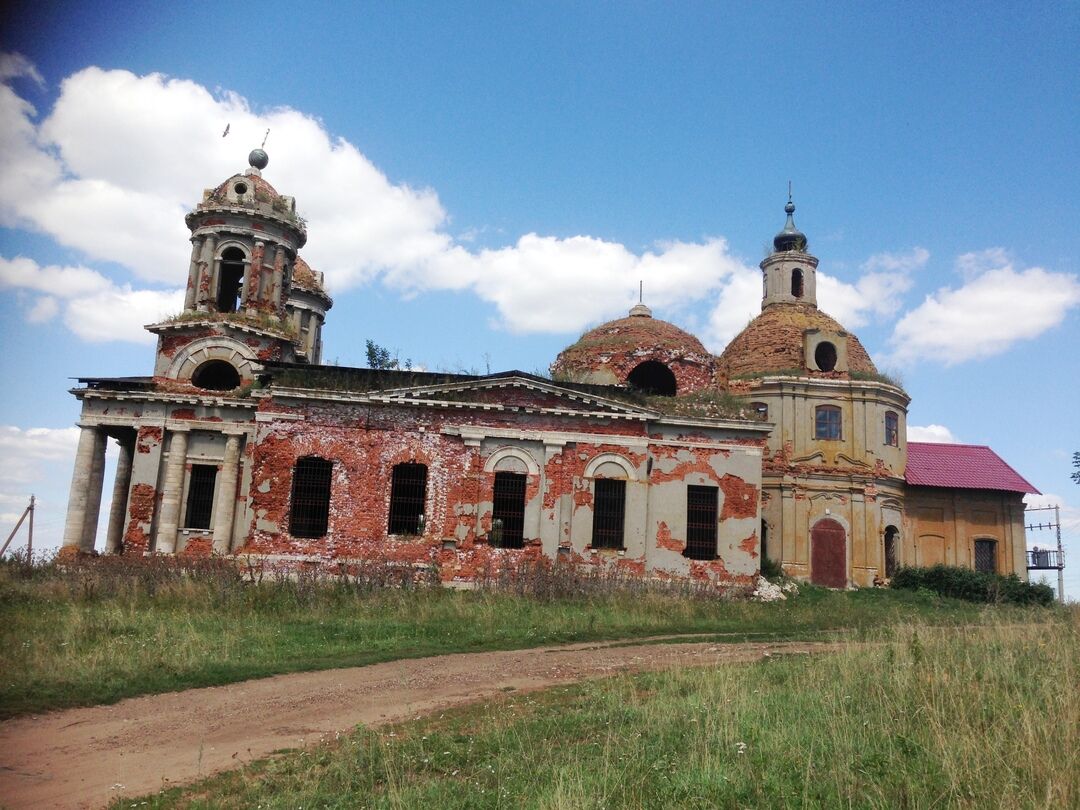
(791,238)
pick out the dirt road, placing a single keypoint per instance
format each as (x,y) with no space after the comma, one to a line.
(88,757)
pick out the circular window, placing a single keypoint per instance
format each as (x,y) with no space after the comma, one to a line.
(825,356)
(216,375)
(652,377)
(240,189)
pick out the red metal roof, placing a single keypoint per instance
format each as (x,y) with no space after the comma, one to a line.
(963,466)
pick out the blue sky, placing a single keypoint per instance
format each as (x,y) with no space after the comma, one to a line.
(484,183)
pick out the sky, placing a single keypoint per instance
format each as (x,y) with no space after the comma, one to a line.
(483,182)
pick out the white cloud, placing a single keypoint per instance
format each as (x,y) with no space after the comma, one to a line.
(24,450)
(877,294)
(15,66)
(94,308)
(995,308)
(44,309)
(937,434)
(120,159)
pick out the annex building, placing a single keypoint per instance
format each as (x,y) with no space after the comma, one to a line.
(643,450)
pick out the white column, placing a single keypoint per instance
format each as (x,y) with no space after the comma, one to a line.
(190,295)
(225,508)
(118,508)
(168,520)
(91,445)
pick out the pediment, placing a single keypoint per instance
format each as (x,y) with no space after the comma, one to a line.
(512,393)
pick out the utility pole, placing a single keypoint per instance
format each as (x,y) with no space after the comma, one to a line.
(28,511)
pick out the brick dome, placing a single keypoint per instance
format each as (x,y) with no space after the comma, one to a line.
(304,278)
(255,188)
(774,342)
(625,351)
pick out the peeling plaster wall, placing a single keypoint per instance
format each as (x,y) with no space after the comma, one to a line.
(365,441)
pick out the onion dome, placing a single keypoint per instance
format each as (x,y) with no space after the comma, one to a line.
(791,238)
(639,351)
(775,342)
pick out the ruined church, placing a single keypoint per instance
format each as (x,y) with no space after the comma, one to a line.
(643,451)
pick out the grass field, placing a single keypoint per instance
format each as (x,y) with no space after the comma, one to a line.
(920,716)
(94,636)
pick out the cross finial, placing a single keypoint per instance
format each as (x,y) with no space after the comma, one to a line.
(267,135)
(788,187)
(641,292)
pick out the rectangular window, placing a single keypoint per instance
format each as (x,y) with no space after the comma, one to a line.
(508,512)
(200,496)
(701,523)
(986,556)
(408,490)
(827,422)
(609,512)
(892,429)
(310,508)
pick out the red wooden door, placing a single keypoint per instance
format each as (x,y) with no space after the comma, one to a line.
(828,554)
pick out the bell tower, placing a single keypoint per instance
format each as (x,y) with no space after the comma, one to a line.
(790,273)
(245,237)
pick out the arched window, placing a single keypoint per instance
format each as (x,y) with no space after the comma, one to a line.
(701,523)
(760,411)
(609,512)
(797,283)
(230,279)
(508,510)
(892,429)
(986,555)
(310,507)
(652,377)
(827,422)
(408,491)
(892,550)
(216,375)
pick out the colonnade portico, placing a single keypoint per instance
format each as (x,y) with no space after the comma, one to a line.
(138,467)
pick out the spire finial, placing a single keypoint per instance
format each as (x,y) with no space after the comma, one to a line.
(790,238)
(641,292)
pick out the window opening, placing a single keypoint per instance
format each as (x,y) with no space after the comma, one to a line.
(216,375)
(508,510)
(310,506)
(827,422)
(797,283)
(986,556)
(892,552)
(892,429)
(240,189)
(764,540)
(701,523)
(825,356)
(652,377)
(408,490)
(200,498)
(230,279)
(609,512)
(760,410)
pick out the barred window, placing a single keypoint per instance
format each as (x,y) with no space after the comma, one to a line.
(701,523)
(508,514)
(200,496)
(986,556)
(609,512)
(892,429)
(827,422)
(408,491)
(310,509)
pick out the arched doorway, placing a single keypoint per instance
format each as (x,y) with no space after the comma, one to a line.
(828,554)
(892,550)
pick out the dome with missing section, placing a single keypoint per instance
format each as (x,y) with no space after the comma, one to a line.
(304,278)
(774,343)
(640,351)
